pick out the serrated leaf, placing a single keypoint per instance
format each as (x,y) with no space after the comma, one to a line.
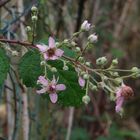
(29,68)
(4,66)
(73,94)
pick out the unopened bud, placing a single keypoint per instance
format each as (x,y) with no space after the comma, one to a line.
(115,74)
(57,44)
(81,58)
(53,69)
(135,70)
(42,63)
(66,41)
(93,38)
(34,18)
(93,87)
(115,62)
(118,81)
(28,29)
(86,99)
(73,43)
(101,61)
(86,76)
(34,9)
(65,68)
(88,64)
(78,49)
(14,53)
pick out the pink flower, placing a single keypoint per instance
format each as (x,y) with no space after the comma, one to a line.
(81,81)
(122,93)
(50,52)
(51,87)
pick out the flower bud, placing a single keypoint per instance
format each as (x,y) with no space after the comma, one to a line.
(34,9)
(14,53)
(135,70)
(57,44)
(53,69)
(115,62)
(81,58)
(65,68)
(88,64)
(28,29)
(86,76)
(34,18)
(93,87)
(78,49)
(101,61)
(85,26)
(66,41)
(86,99)
(42,63)
(115,74)
(93,38)
(82,73)
(118,81)
(73,43)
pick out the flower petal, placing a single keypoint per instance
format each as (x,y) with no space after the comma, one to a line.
(119,103)
(53,57)
(51,42)
(42,80)
(60,87)
(59,52)
(81,81)
(45,56)
(43,90)
(42,48)
(53,97)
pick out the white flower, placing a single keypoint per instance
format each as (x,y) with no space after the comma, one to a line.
(85,26)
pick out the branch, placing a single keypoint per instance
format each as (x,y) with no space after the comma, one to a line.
(27,44)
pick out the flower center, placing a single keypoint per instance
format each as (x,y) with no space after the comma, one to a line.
(51,88)
(51,52)
(127,92)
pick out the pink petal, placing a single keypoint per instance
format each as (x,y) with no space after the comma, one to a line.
(42,80)
(53,97)
(81,82)
(53,57)
(51,42)
(60,87)
(42,48)
(45,56)
(119,103)
(59,52)
(43,90)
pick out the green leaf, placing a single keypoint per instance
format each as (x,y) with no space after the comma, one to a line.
(4,66)
(68,52)
(73,94)
(29,68)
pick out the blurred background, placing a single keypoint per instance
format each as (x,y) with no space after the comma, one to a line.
(117,24)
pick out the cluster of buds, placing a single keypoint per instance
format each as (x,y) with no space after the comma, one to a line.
(108,78)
